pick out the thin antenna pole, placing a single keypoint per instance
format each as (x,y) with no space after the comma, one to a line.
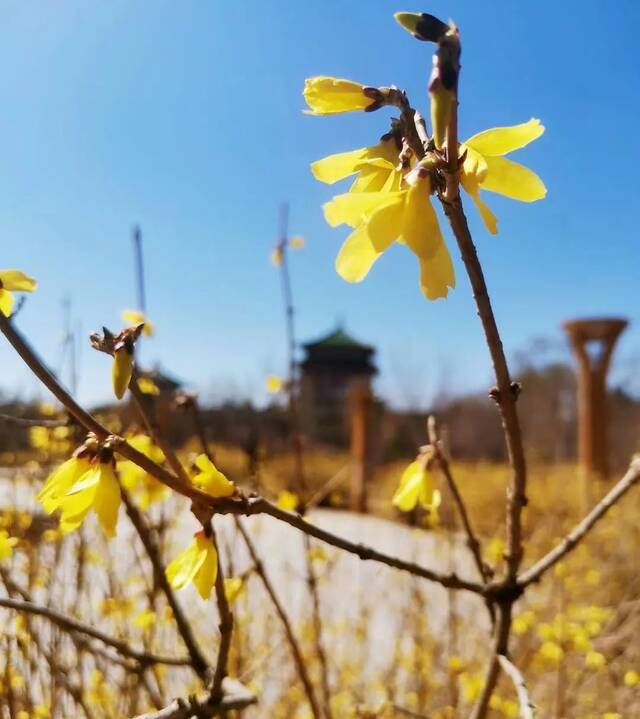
(287,296)
(69,345)
(139,267)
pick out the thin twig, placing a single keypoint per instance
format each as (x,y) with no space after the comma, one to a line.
(28,422)
(72,625)
(296,652)
(198,660)
(472,540)
(225,626)
(235,697)
(580,531)
(527,708)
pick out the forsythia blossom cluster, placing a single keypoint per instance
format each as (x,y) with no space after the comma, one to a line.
(390,197)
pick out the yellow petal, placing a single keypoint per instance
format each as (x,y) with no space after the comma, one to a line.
(437,274)
(512,180)
(205,577)
(274,384)
(501,140)
(184,567)
(121,371)
(329,95)
(134,318)
(6,303)
(211,480)
(77,501)
(60,481)
(351,208)
(336,167)
(421,229)
(17,281)
(474,165)
(489,219)
(233,586)
(406,496)
(356,256)
(288,501)
(373,177)
(107,500)
(386,222)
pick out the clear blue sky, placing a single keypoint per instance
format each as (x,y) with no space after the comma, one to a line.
(186,118)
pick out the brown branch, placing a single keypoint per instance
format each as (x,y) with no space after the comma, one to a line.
(259,505)
(443,462)
(28,422)
(312,583)
(235,697)
(501,641)
(505,394)
(527,708)
(72,625)
(580,531)
(298,659)
(225,626)
(198,661)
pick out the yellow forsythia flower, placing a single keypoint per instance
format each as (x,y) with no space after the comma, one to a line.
(595,660)
(296,242)
(210,479)
(277,256)
(134,318)
(330,95)
(145,620)
(7,543)
(288,501)
(61,480)
(13,281)
(233,587)
(122,370)
(416,485)
(96,489)
(382,218)
(275,384)
(198,564)
(485,167)
(631,678)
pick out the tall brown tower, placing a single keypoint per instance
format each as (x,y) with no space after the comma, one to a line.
(333,367)
(593,342)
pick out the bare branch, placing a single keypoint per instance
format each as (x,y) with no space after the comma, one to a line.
(580,531)
(72,625)
(225,626)
(28,422)
(236,696)
(527,708)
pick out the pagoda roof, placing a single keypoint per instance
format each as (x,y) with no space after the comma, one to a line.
(338,339)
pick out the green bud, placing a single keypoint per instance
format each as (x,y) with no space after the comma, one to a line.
(422,25)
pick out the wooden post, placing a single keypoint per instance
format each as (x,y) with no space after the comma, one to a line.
(361,413)
(593,342)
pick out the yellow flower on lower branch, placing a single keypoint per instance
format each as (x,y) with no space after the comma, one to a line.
(61,480)
(97,488)
(211,480)
(13,281)
(7,543)
(416,485)
(147,488)
(382,218)
(331,95)
(485,168)
(233,587)
(197,565)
